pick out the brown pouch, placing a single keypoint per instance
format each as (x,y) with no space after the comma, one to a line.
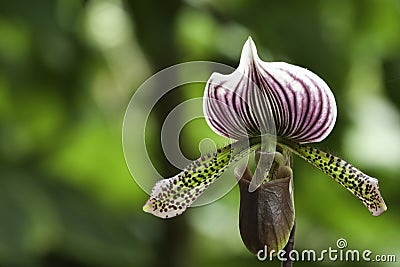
(266,215)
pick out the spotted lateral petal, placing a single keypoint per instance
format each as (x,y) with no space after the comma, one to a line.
(171,197)
(268,97)
(364,187)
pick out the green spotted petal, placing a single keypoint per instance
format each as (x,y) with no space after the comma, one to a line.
(171,197)
(364,187)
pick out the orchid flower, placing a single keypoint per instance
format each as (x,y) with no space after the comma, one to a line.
(273,109)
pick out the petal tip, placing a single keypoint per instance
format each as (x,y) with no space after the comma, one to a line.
(379,208)
(379,211)
(147,206)
(249,52)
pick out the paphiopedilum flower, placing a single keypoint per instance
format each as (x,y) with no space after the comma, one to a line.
(261,99)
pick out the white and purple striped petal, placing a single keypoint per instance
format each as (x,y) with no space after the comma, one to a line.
(267,97)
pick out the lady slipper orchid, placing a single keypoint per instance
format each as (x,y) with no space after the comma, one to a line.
(273,109)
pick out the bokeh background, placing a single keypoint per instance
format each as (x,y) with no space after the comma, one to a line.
(69,69)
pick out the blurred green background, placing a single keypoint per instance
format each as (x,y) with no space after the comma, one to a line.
(69,69)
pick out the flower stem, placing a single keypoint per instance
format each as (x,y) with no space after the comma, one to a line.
(289,247)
